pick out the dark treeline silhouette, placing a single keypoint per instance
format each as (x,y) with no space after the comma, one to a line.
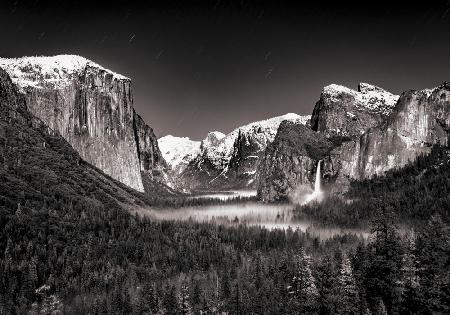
(68,245)
(181,201)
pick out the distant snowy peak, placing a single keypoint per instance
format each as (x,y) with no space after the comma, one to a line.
(267,127)
(367,96)
(262,132)
(212,139)
(56,71)
(266,130)
(178,151)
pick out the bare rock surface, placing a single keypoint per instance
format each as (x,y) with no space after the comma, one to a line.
(92,108)
(369,131)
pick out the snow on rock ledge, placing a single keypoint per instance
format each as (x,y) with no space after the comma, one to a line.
(370,97)
(91,107)
(345,112)
(53,71)
(262,133)
(178,151)
(230,161)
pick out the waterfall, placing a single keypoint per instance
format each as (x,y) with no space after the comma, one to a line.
(317,194)
(317,190)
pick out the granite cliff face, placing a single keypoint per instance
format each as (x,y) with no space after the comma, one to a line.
(419,120)
(373,139)
(290,162)
(152,164)
(344,112)
(13,107)
(178,152)
(247,152)
(37,165)
(10,98)
(12,103)
(222,161)
(92,108)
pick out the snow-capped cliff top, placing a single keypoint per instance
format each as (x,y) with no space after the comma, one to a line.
(217,134)
(262,132)
(55,71)
(368,96)
(218,147)
(178,151)
(213,138)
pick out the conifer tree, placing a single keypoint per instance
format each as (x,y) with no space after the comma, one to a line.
(327,286)
(302,289)
(409,283)
(380,308)
(184,301)
(235,304)
(348,292)
(196,298)
(385,261)
(8,255)
(170,302)
(149,299)
(433,252)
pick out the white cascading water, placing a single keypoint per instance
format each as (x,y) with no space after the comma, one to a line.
(317,182)
(317,194)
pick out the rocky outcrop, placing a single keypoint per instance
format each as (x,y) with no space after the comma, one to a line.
(373,140)
(212,140)
(290,162)
(230,161)
(419,120)
(38,165)
(10,98)
(343,112)
(178,152)
(92,108)
(247,153)
(150,158)
(13,106)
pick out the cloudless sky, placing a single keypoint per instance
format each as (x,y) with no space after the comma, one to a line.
(199,66)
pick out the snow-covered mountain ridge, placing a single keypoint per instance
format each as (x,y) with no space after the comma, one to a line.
(49,71)
(92,108)
(222,159)
(345,112)
(364,133)
(178,151)
(367,96)
(262,132)
(217,146)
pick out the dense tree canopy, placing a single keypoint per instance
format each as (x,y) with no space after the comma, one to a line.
(68,244)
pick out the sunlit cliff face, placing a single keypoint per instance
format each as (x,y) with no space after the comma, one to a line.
(303,193)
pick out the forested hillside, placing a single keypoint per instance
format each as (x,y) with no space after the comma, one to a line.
(68,245)
(413,193)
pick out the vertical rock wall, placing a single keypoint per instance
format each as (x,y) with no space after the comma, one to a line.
(420,120)
(290,161)
(343,112)
(373,139)
(94,113)
(150,158)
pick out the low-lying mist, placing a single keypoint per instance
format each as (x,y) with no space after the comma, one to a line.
(250,212)
(303,194)
(270,216)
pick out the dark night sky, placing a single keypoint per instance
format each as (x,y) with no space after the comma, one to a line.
(215,65)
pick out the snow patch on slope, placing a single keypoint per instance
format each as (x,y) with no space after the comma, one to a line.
(368,96)
(178,151)
(218,147)
(263,132)
(213,138)
(55,72)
